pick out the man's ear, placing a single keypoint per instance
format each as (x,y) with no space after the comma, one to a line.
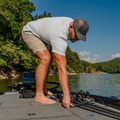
(70,27)
(71,24)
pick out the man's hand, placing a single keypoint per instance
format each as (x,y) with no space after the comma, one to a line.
(66,102)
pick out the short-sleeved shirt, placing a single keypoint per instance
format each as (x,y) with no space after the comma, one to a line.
(53,30)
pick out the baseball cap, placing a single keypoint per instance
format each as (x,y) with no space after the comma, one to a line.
(81,27)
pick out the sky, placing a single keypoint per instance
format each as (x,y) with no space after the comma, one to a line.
(103,17)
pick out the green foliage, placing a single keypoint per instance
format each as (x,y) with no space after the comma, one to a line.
(42,16)
(14,15)
(70,70)
(73,61)
(112,66)
(14,56)
(79,66)
(53,67)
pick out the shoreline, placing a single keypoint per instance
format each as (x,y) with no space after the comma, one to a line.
(15,74)
(80,73)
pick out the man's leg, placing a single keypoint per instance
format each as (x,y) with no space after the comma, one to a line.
(35,45)
(41,73)
(46,91)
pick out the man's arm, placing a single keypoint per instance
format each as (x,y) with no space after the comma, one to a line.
(63,78)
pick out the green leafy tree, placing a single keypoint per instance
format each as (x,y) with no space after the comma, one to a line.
(53,67)
(14,53)
(42,15)
(14,15)
(73,61)
(111,66)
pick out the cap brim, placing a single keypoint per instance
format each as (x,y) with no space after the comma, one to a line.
(80,36)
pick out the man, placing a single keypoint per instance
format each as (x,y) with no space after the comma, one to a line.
(53,31)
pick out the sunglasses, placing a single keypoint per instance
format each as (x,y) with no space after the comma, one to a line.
(75,33)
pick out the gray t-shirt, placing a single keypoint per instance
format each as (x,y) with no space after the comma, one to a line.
(53,30)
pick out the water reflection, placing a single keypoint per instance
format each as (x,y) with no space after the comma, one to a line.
(102,84)
(5,82)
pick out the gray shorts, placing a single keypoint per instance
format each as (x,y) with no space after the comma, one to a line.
(34,43)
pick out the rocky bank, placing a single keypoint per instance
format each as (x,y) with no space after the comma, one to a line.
(7,73)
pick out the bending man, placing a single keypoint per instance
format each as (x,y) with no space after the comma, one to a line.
(54,32)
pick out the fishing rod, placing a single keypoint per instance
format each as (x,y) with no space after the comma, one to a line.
(108,101)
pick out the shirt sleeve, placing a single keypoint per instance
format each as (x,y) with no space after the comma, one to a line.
(59,45)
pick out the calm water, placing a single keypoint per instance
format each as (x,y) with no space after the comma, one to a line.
(102,84)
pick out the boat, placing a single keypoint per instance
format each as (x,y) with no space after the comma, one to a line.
(104,105)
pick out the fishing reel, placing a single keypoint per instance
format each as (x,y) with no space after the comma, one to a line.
(81,96)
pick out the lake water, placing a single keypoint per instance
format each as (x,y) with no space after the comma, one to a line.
(101,84)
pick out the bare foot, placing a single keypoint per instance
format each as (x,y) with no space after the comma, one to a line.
(47,92)
(44,100)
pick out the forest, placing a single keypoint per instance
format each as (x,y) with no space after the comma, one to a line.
(14,54)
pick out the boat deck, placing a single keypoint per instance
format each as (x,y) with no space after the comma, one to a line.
(14,108)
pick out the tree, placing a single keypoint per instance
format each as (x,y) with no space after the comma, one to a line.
(42,16)
(73,61)
(13,15)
